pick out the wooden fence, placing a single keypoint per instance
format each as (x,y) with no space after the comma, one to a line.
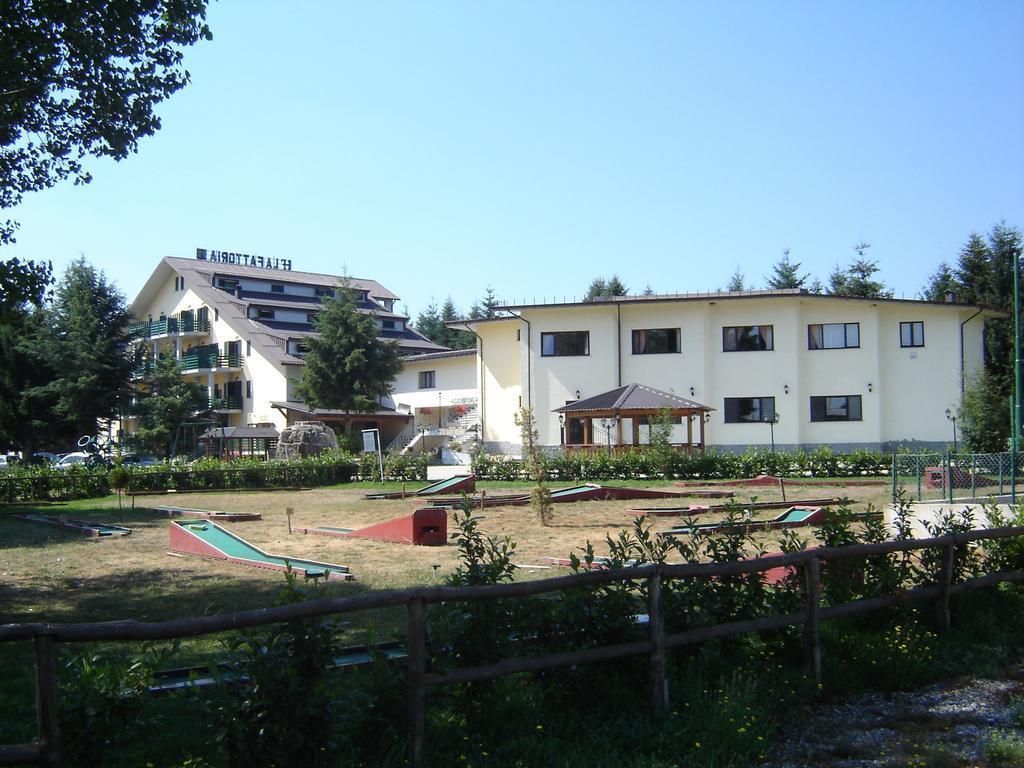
(45,751)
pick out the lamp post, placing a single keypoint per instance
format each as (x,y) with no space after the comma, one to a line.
(952,417)
(439,412)
(771,421)
(561,427)
(608,424)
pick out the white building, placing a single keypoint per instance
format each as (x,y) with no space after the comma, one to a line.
(237,324)
(845,372)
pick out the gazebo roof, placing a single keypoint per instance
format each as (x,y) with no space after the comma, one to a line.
(632,397)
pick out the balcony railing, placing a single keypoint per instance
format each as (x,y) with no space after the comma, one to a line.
(209,361)
(226,403)
(169,326)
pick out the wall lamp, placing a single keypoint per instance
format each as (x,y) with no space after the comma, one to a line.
(871,387)
(577,394)
(692,391)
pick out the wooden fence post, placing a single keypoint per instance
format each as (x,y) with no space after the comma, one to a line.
(656,623)
(46,700)
(945,580)
(812,627)
(416,643)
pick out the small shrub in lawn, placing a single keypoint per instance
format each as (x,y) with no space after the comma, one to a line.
(1004,748)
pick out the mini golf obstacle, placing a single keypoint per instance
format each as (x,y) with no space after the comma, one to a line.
(454,484)
(774,480)
(354,657)
(700,509)
(425,527)
(81,527)
(207,539)
(209,514)
(794,517)
(585,492)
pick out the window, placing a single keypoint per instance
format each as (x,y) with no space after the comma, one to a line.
(276,288)
(264,314)
(427,379)
(248,347)
(388,325)
(748,338)
(565,344)
(739,410)
(325,292)
(311,317)
(833,336)
(226,284)
(836,408)
(912,334)
(655,341)
(248,388)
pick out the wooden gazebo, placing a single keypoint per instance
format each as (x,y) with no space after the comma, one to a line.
(620,412)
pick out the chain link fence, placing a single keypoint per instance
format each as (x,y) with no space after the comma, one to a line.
(958,476)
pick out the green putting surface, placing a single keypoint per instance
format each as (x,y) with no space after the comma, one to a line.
(232,546)
(441,485)
(562,492)
(796,515)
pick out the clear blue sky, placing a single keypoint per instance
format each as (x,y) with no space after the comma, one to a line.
(441,147)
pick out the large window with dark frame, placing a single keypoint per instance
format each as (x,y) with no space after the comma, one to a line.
(741,410)
(748,338)
(565,344)
(833,336)
(427,379)
(912,334)
(836,408)
(655,341)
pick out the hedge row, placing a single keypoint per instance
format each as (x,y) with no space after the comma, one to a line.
(676,465)
(77,482)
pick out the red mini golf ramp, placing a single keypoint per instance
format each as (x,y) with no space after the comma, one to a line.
(424,527)
(699,509)
(207,539)
(453,484)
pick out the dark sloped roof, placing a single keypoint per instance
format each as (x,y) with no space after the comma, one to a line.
(292,405)
(632,397)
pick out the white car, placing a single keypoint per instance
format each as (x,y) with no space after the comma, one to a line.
(72,458)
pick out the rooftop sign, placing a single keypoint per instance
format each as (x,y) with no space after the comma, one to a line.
(243,259)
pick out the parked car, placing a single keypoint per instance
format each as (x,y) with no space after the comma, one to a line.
(42,458)
(139,460)
(73,458)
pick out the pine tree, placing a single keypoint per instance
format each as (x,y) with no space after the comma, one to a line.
(601,288)
(786,274)
(347,367)
(165,401)
(856,279)
(429,324)
(736,282)
(941,282)
(86,334)
(453,337)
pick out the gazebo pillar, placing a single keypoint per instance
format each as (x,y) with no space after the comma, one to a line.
(689,432)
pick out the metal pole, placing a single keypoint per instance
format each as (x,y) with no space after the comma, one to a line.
(1018,382)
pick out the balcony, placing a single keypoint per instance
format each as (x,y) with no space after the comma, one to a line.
(143,369)
(208,361)
(226,403)
(185,324)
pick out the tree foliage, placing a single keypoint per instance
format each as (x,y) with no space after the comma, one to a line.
(21,283)
(540,496)
(82,80)
(737,282)
(984,415)
(347,367)
(940,283)
(433,324)
(81,341)
(165,402)
(600,288)
(857,279)
(486,308)
(786,274)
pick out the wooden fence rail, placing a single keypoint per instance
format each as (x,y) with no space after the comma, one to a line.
(45,751)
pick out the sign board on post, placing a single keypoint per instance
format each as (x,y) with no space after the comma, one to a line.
(371,444)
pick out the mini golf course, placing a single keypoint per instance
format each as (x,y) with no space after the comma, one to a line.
(81,527)
(209,514)
(207,539)
(454,484)
(424,527)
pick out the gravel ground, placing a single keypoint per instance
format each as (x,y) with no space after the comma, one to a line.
(961,723)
